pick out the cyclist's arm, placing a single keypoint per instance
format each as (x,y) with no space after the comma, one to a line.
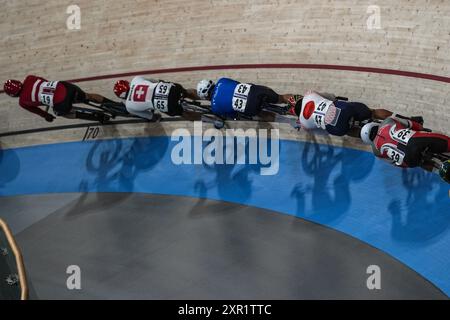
(416,126)
(36,110)
(327,95)
(377,152)
(408,123)
(270,96)
(93,97)
(192,94)
(286,98)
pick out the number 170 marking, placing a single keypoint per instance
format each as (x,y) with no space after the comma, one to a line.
(91,133)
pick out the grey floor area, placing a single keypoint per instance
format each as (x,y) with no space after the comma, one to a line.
(140,246)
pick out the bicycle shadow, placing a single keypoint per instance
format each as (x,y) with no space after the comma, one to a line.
(114,165)
(422,217)
(332,171)
(231,181)
(9,166)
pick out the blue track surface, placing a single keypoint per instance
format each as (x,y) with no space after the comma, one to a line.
(405,213)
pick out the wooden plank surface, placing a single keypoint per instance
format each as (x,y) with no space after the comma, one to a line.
(137,35)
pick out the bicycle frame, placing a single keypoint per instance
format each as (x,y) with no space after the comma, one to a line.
(435,159)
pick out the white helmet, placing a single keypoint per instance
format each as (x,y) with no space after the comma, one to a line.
(366,132)
(204,89)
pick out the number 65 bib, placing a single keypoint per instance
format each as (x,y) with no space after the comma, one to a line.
(161,97)
(240,96)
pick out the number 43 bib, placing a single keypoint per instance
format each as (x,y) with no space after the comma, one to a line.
(240,96)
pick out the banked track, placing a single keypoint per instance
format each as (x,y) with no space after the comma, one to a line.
(315,175)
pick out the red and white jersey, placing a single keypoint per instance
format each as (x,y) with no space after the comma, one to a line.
(148,95)
(38,91)
(314,111)
(392,138)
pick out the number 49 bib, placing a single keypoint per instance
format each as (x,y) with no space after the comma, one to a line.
(161,97)
(240,96)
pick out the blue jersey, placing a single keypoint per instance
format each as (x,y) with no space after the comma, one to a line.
(222,97)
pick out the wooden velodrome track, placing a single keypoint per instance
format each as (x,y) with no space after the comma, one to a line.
(132,36)
(324,45)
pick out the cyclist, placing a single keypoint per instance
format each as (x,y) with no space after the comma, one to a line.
(337,117)
(35,92)
(142,97)
(230,98)
(404,142)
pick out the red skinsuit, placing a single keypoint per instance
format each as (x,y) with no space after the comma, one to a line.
(29,96)
(393,137)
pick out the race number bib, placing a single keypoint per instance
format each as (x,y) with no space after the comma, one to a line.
(395,155)
(332,116)
(402,135)
(240,96)
(320,113)
(161,96)
(47,92)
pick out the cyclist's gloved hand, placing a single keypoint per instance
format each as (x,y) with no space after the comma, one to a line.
(292,101)
(49,118)
(418,119)
(296,124)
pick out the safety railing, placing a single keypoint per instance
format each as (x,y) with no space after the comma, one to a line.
(13,279)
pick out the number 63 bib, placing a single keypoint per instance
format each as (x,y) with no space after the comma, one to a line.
(240,96)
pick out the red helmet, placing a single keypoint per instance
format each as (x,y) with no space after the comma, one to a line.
(121,89)
(12,87)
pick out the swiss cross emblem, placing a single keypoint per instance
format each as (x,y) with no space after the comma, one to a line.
(140,93)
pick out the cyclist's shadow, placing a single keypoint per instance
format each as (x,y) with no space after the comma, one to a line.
(329,200)
(115,164)
(9,166)
(423,215)
(233,183)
